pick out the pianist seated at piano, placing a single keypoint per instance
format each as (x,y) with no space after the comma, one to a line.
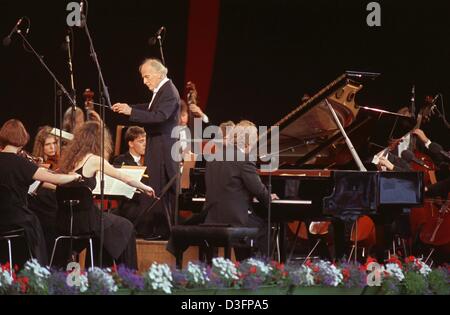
(131,209)
(231,187)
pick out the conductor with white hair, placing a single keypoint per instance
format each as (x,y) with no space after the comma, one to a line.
(158,117)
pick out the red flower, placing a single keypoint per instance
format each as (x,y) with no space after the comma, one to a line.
(410,259)
(308,263)
(280,266)
(316,269)
(23,282)
(285,274)
(346,273)
(237,264)
(395,260)
(114,268)
(253,269)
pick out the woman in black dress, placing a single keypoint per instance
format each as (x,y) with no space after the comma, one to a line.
(17,174)
(82,155)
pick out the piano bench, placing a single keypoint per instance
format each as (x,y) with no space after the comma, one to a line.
(210,236)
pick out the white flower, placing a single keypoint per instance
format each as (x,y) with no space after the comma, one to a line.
(330,271)
(197,274)
(41,273)
(225,268)
(84,283)
(306,276)
(5,279)
(34,266)
(424,269)
(99,278)
(159,277)
(262,267)
(394,270)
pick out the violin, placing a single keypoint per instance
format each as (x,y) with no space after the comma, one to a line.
(35,160)
(52,162)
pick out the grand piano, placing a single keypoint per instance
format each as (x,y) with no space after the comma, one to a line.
(320,176)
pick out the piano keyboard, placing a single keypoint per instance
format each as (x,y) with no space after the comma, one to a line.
(280,202)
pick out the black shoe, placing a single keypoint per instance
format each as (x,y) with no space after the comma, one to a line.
(152,237)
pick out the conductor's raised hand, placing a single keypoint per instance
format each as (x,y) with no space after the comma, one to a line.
(122,108)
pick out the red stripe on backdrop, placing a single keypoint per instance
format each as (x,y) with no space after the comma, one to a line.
(201,45)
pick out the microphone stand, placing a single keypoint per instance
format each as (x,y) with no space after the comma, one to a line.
(72,81)
(161,49)
(40,58)
(104,91)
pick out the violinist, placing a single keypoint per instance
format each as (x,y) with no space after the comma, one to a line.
(17,174)
(46,146)
(43,201)
(442,186)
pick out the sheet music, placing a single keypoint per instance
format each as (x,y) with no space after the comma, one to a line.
(115,187)
(64,134)
(33,187)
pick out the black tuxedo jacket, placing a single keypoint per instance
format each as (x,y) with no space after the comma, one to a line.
(124,159)
(159,122)
(230,188)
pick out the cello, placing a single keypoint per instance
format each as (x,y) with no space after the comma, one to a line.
(435,231)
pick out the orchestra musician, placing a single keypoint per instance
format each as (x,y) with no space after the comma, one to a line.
(17,174)
(82,156)
(46,146)
(43,200)
(131,209)
(442,187)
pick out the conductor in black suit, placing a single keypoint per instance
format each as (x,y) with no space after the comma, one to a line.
(159,118)
(231,186)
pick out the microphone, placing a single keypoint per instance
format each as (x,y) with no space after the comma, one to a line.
(408,156)
(7,39)
(152,40)
(82,15)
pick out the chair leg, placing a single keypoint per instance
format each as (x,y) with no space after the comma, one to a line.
(54,249)
(92,253)
(11,266)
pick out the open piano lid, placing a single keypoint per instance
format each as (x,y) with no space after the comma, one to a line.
(308,132)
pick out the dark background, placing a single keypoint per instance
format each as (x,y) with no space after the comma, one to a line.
(269,53)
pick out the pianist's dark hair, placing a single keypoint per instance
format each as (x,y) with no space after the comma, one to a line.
(13,132)
(86,140)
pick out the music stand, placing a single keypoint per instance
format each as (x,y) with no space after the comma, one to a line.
(157,199)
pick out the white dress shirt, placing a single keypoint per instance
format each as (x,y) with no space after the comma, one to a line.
(136,159)
(156,91)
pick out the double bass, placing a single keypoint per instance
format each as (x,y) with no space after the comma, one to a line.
(436,231)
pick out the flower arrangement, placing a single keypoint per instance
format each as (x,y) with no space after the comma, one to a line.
(411,276)
(225,273)
(159,278)
(100,281)
(6,279)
